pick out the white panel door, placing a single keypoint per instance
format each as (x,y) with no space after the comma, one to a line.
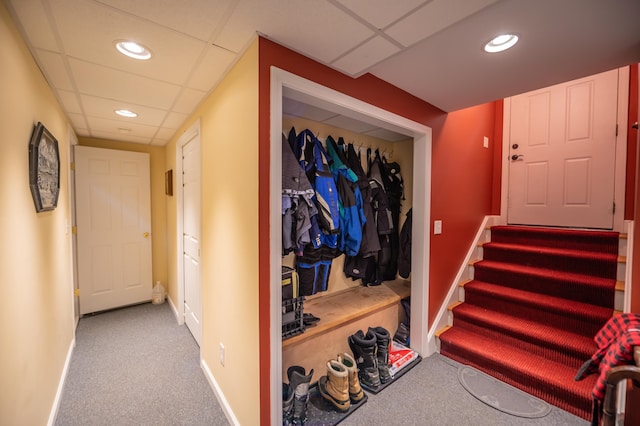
(191,236)
(562,154)
(113,208)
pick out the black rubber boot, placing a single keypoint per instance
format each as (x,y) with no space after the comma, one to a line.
(287,405)
(383,341)
(299,387)
(364,352)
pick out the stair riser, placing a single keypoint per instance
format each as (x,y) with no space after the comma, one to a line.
(587,241)
(552,286)
(605,267)
(564,354)
(587,326)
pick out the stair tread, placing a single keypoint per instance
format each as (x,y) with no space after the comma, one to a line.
(566,252)
(526,329)
(547,273)
(551,303)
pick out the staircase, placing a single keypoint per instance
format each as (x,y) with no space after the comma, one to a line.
(532,308)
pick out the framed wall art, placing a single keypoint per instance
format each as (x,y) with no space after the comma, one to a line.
(44,168)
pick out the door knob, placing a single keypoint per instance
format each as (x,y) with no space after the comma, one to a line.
(515,157)
(146,235)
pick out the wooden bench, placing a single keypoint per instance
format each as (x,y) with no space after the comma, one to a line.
(342,314)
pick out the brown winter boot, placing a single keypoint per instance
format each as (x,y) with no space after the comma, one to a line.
(334,387)
(355,391)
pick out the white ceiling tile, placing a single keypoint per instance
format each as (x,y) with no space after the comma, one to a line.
(199,19)
(35,23)
(212,69)
(188,100)
(123,127)
(163,136)
(69,101)
(119,137)
(174,120)
(433,17)
(173,54)
(101,107)
(381,13)
(79,123)
(370,53)
(121,85)
(319,29)
(55,69)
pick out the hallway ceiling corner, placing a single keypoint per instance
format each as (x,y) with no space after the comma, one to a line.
(429,48)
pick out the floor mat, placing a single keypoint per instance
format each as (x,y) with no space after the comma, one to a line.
(500,395)
(321,412)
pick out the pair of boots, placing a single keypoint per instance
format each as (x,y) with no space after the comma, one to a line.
(341,386)
(371,352)
(295,396)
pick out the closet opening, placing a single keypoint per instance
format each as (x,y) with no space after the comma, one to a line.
(304,105)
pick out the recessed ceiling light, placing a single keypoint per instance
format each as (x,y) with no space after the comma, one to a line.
(126,113)
(133,50)
(500,43)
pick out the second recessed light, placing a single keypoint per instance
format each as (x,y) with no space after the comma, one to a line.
(126,113)
(133,50)
(500,43)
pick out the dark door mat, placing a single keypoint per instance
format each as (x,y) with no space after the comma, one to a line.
(321,412)
(500,395)
(396,376)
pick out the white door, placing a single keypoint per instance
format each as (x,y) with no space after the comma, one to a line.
(191,236)
(113,210)
(562,154)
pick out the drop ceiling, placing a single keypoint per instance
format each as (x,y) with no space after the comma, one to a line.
(429,48)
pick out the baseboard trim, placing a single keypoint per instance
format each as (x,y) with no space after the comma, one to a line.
(63,378)
(218,392)
(174,309)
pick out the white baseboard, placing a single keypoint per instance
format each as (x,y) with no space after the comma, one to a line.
(218,392)
(63,377)
(174,309)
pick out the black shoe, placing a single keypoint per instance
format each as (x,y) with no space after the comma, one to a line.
(309,319)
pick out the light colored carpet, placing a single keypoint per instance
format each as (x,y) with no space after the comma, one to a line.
(137,366)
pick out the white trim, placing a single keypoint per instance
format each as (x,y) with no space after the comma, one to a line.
(70,224)
(620,155)
(188,135)
(309,92)
(174,309)
(63,378)
(228,412)
(628,278)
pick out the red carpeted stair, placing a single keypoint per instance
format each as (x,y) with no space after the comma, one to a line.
(530,313)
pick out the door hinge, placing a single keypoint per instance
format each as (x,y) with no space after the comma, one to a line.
(72,165)
(614,207)
(616,129)
(74,230)
(76,292)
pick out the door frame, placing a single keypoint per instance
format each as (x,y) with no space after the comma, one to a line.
(192,132)
(324,97)
(620,158)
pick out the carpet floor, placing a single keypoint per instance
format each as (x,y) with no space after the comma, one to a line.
(136,366)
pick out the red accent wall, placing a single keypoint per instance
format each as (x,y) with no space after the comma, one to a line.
(463,189)
(631,143)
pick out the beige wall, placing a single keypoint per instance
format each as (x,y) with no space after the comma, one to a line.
(158,199)
(36,311)
(229,249)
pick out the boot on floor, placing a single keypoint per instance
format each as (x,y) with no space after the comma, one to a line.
(334,387)
(364,352)
(287,405)
(299,389)
(383,342)
(355,391)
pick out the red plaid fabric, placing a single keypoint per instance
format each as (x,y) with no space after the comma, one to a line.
(615,341)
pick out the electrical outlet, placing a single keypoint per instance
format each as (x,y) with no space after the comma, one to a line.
(485,142)
(221,354)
